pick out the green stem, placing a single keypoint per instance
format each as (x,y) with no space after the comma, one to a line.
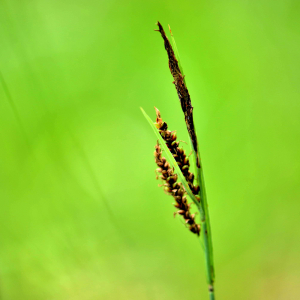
(206,233)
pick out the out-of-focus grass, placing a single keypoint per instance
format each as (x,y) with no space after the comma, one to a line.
(74,137)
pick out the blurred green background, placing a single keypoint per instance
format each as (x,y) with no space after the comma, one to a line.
(81,215)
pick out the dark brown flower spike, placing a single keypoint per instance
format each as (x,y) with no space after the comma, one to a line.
(175,189)
(177,152)
(182,91)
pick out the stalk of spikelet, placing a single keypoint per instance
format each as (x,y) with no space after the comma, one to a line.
(177,152)
(175,189)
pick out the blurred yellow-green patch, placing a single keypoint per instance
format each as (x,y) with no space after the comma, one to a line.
(81,215)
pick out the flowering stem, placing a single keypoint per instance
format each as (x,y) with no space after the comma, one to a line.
(206,233)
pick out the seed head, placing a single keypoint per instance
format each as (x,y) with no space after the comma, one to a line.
(177,152)
(175,189)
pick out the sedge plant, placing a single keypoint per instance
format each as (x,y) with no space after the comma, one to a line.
(174,169)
